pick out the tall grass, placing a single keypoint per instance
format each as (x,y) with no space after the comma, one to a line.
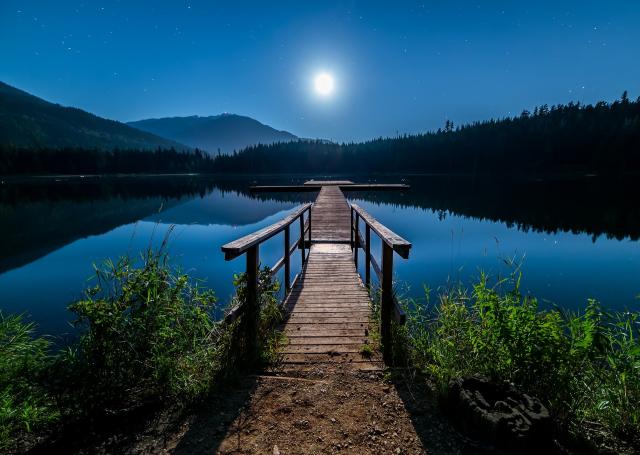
(147,334)
(584,365)
(25,404)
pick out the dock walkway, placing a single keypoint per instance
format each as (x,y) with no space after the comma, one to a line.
(328,307)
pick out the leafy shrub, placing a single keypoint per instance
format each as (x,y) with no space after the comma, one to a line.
(585,366)
(24,402)
(269,338)
(147,332)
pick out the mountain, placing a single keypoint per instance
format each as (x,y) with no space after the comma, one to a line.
(225,132)
(29,121)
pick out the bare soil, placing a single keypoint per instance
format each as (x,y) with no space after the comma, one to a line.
(317,411)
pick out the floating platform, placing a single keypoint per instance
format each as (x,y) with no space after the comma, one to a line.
(344,185)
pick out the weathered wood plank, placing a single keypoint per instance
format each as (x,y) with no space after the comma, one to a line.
(344,187)
(397,243)
(237,247)
(328,340)
(346,357)
(321,348)
(330,216)
(328,309)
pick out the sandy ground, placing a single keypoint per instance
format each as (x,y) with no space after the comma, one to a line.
(312,412)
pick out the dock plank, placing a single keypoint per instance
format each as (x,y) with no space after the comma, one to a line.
(329,308)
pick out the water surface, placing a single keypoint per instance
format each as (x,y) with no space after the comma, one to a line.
(574,240)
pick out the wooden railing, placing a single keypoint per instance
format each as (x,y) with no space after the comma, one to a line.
(250,246)
(391,242)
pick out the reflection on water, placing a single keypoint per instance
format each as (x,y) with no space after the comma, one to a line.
(578,237)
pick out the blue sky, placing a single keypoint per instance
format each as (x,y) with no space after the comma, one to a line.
(398,67)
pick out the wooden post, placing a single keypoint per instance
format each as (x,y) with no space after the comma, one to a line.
(351,228)
(287,261)
(386,303)
(251,312)
(357,239)
(367,256)
(302,238)
(309,218)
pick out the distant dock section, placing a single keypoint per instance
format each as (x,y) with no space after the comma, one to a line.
(345,185)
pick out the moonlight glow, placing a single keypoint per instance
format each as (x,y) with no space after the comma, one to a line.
(323,84)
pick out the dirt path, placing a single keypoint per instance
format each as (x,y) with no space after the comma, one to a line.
(318,411)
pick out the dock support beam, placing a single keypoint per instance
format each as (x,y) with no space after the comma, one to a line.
(367,257)
(287,260)
(250,319)
(386,302)
(302,239)
(356,236)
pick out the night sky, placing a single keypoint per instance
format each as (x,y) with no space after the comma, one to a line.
(401,68)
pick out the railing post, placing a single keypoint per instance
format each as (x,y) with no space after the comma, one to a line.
(252,310)
(351,230)
(367,256)
(309,218)
(386,301)
(302,238)
(356,236)
(287,261)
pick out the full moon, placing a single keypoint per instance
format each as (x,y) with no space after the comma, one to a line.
(323,84)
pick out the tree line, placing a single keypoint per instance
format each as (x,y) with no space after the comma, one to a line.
(561,139)
(571,138)
(16,160)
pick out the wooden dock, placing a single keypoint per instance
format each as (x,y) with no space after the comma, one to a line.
(328,309)
(344,185)
(328,306)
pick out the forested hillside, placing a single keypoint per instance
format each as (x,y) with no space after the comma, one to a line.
(570,138)
(559,140)
(27,121)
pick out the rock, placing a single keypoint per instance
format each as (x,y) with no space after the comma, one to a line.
(276,451)
(499,414)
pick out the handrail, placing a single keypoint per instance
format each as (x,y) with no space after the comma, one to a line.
(398,313)
(391,242)
(234,249)
(249,245)
(397,243)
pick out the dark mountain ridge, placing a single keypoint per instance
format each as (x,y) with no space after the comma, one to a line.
(225,133)
(27,121)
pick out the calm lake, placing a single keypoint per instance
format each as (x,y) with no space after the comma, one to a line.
(574,239)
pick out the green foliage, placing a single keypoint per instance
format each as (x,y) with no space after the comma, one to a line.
(585,366)
(24,402)
(147,333)
(366,351)
(269,338)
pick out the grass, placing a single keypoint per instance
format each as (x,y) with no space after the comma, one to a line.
(147,335)
(366,351)
(585,366)
(25,404)
(270,339)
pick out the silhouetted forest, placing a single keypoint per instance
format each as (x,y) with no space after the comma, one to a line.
(572,138)
(79,161)
(565,139)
